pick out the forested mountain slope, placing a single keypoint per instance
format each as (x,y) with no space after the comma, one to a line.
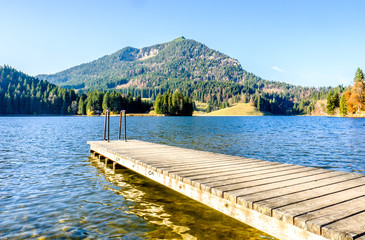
(151,66)
(23,94)
(197,71)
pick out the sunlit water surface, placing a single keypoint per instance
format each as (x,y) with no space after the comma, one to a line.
(49,187)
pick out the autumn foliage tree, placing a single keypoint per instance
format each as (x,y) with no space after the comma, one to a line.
(356,95)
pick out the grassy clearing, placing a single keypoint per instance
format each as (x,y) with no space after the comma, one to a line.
(239,109)
(200,108)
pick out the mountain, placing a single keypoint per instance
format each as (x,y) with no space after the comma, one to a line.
(199,72)
(150,67)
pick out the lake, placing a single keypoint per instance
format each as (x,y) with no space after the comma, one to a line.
(49,187)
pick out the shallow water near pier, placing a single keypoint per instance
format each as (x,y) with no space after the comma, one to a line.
(50,188)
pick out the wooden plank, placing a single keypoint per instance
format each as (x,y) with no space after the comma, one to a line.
(347,228)
(175,155)
(199,167)
(249,200)
(234,194)
(159,160)
(252,167)
(262,174)
(188,176)
(173,166)
(157,157)
(266,206)
(136,146)
(199,161)
(313,221)
(187,159)
(170,160)
(291,172)
(287,201)
(235,190)
(288,212)
(250,176)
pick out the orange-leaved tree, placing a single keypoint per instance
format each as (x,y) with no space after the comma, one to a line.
(356,96)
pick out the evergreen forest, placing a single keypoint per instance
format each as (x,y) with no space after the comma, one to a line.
(23,94)
(173,104)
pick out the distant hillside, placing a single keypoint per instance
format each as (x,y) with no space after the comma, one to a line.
(181,59)
(205,75)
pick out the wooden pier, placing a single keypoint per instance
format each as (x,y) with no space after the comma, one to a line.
(286,201)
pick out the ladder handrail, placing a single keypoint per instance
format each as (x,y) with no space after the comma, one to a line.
(107,125)
(125,125)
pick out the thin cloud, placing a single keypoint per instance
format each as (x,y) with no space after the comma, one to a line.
(278,69)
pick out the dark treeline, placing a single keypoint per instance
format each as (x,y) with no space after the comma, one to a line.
(96,102)
(274,97)
(218,95)
(22,94)
(175,104)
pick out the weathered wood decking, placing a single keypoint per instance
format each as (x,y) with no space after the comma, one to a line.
(284,200)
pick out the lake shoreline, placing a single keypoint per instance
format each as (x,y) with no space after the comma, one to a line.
(162,115)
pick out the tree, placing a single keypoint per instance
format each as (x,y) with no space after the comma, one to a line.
(175,104)
(115,102)
(336,99)
(106,102)
(330,103)
(188,107)
(258,102)
(356,99)
(8,103)
(82,108)
(343,105)
(359,76)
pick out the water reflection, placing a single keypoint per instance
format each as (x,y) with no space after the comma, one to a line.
(173,215)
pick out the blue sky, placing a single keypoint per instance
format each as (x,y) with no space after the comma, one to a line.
(308,43)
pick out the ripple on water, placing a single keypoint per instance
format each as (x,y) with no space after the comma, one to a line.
(50,189)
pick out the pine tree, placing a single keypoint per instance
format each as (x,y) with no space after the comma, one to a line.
(81,107)
(258,102)
(343,105)
(106,102)
(359,76)
(158,104)
(89,108)
(336,99)
(330,103)
(8,104)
